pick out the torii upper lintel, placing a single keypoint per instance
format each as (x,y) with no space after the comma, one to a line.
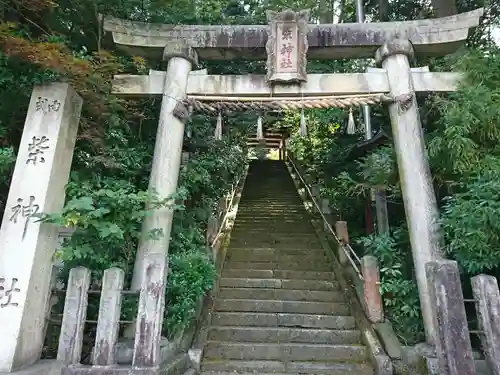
(431,37)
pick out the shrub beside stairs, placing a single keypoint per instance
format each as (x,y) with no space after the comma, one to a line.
(279,308)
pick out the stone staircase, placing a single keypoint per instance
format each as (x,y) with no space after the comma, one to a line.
(279,309)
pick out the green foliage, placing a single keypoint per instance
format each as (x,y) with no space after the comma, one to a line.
(107,217)
(470,222)
(191,275)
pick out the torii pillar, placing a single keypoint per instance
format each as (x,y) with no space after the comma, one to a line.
(416,182)
(167,154)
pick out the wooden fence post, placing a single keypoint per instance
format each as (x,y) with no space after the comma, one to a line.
(109,317)
(343,236)
(454,350)
(371,289)
(75,314)
(487,296)
(150,312)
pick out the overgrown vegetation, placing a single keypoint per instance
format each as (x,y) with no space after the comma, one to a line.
(51,40)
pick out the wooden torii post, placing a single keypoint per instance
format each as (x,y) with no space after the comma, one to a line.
(287,41)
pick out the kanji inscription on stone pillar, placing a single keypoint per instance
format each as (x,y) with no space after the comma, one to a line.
(287,46)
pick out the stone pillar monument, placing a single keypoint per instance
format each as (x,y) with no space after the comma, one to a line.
(168,152)
(38,186)
(414,173)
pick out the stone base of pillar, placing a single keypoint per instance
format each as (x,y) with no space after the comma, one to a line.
(42,367)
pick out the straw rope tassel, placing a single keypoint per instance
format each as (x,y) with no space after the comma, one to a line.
(351,125)
(218,127)
(303,126)
(260,130)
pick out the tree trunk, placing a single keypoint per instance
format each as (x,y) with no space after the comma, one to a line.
(444,8)
(383,10)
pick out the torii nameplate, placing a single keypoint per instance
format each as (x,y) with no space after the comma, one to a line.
(287,46)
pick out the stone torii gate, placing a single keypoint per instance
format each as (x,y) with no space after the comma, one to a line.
(286,42)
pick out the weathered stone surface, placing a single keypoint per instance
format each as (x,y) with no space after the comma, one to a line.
(109,317)
(287,46)
(284,335)
(282,265)
(281,294)
(230,367)
(453,345)
(124,350)
(38,186)
(276,256)
(166,164)
(182,49)
(212,229)
(381,362)
(414,172)
(343,235)
(282,320)
(279,274)
(279,283)
(150,312)
(75,313)
(195,356)
(436,37)
(218,127)
(41,367)
(487,296)
(277,313)
(389,340)
(395,47)
(374,308)
(288,352)
(299,307)
(115,370)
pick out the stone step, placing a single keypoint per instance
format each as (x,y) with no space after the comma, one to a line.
(259,220)
(285,352)
(291,266)
(253,319)
(275,256)
(275,230)
(285,204)
(279,274)
(271,195)
(339,308)
(292,200)
(288,207)
(265,251)
(270,206)
(278,283)
(271,232)
(281,294)
(267,213)
(284,335)
(246,236)
(235,367)
(264,223)
(270,242)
